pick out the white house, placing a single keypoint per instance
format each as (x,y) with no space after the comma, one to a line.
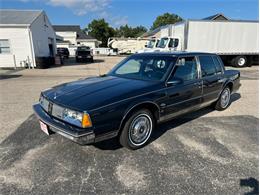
(71,36)
(26,38)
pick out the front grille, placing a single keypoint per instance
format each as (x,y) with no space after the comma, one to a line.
(83,53)
(44,103)
(51,108)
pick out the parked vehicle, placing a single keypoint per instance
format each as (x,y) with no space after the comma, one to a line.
(236,42)
(151,44)
(63,52)
(84,53)
(142,90)
(126,45)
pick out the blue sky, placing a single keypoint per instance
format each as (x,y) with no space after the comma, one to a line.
(134,12)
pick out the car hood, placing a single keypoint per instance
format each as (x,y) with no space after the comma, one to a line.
(92,93)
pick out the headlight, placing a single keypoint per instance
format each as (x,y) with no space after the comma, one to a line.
(76,118)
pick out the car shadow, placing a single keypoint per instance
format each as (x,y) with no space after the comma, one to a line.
(113,144)
(252,183)
(2,77)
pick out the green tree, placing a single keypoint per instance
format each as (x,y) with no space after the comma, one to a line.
(127,31)
(165,19)
(101,30)
(139,30)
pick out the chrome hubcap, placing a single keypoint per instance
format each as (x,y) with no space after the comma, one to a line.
(140,129)
(241,61)
(225,98)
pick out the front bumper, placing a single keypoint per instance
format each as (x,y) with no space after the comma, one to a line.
(81,136)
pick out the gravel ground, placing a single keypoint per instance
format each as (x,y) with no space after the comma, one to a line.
(205,152)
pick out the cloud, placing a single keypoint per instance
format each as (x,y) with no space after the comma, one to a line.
(81,7)
(99,8)
(114,21)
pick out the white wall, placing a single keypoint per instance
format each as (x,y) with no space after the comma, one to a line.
(42,32)
(19,46)
(89,43)
(68,36)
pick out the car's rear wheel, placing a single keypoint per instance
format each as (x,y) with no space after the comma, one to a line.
(137,129)
(224,99)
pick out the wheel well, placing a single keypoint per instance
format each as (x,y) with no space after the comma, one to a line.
(230,86)
(150,106)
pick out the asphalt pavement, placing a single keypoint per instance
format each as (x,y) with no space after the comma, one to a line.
(205,152)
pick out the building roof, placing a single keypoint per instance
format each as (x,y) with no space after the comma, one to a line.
(18,17)
(152,32)
(218,16)
(72,28)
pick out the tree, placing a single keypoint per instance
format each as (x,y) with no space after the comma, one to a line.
(165,19)
(139,30)
(101,30)
(126,31)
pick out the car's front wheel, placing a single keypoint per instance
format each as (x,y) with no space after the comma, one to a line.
(137,129)
(224,99)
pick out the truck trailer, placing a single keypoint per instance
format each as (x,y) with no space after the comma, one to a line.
(235,41)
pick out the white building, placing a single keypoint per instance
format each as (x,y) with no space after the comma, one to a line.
(71,36)
(26,38)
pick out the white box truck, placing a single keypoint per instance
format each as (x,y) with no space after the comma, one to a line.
(237,42)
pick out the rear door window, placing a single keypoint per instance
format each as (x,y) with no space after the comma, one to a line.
(207,66)
(187,71)
(218,66)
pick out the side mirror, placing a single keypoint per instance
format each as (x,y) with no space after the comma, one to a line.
(173,82)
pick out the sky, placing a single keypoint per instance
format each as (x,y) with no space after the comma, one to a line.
(133,12)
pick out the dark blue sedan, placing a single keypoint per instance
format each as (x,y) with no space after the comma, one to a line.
(142,90)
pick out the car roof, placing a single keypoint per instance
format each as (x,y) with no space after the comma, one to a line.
(173,54)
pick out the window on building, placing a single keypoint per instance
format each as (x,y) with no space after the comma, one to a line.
(4,46)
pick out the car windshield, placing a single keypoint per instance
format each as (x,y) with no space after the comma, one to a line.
(151,44)
(142,67)
(162,43)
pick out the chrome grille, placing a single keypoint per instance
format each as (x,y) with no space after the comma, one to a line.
(44,103)
(55,110)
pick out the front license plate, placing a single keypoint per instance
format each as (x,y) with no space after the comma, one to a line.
(44,128)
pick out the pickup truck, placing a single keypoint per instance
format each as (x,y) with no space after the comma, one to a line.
(142,90)
(84,53)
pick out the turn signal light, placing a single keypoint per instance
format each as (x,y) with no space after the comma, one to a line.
(86,122)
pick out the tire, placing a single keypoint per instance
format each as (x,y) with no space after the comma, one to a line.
(240,61)
(134,139)
(222,104)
